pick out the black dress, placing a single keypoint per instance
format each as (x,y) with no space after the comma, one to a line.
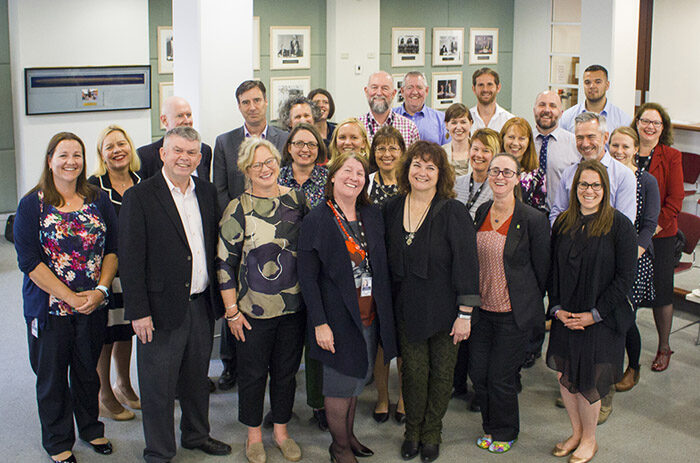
(588,273)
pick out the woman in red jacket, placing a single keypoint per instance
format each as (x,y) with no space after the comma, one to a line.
(656,156)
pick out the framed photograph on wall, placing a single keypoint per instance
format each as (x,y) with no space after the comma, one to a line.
(165,90)
(483,45)
(290,47)
(407,47)
(256,43)
(282,88)
(165,50)
(446,89)
(398,83)
(448,46)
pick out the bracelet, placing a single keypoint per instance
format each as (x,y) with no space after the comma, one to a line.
(464,315)
(238,315)
(103,289)
(235,304)
(232,317)
(554,315)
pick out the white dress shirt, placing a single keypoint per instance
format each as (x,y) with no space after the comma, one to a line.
(188,209)
(496,123)
(561,153)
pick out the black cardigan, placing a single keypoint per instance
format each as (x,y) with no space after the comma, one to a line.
(526,262)
(328,287)
(435,274)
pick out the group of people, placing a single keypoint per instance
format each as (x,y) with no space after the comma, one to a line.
(404,233)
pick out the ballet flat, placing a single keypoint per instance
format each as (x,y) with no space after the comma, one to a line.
(132,404)
(124,415)
(574,459)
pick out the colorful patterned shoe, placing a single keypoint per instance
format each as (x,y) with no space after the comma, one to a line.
(501,446)
(484,442)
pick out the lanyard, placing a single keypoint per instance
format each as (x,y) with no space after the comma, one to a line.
(354,243)
(475,195)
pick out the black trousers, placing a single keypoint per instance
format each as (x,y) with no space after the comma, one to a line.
(536,339)
(459,381)
(273,346)
(64,359)
(176,360)
(496,351)
(227,348)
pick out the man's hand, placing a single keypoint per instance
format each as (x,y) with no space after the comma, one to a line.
(143,327)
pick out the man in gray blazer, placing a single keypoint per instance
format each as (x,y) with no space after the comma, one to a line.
(252,102)
(230,183)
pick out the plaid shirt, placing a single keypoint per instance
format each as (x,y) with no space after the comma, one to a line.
(407,127)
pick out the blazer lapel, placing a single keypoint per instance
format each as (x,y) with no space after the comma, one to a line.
(166,199)
(515,231)
(656,158)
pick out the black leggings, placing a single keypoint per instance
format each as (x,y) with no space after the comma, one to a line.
(633,345)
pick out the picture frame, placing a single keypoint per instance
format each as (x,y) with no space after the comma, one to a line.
(448,46)
(398,83)
(446,89)
(483,45)
(165,50)
(407,47)
(256,43)
(165,90)
(281,88)
(290,47)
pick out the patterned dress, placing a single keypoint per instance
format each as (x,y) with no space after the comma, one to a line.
(534,187)
(643,287)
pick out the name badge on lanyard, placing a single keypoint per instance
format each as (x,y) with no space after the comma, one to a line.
(366,286)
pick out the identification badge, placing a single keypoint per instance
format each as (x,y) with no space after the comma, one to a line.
(35,327)
(366,286)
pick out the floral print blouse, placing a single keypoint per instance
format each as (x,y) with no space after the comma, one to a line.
(534,186)
(313,188)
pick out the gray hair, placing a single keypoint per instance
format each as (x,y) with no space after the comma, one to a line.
(286,109)
(588,117)
(416,74)
(188,133)
(246,153)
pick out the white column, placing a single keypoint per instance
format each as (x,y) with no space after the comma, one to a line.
(352,35)
(213,54)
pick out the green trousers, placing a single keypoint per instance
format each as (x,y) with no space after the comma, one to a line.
(427,371)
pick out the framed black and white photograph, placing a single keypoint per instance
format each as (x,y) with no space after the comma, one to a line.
(407,47)
(446,89)
(483,45)
(398,83)
(282,88)
(256,43)
(290,47)
(165,50)
(165,90)
(448,46)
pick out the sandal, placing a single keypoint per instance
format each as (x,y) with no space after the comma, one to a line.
(484,442)
(501,446)
(660,363)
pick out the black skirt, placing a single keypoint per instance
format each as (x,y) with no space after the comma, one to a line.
(663,272)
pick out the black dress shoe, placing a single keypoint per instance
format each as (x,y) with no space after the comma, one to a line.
(227,380)
(320,418)
(429,452)
(361,451)
(530,359)
(102,449)
(212,386)
(409,449)
(211,447)
(380,417)
(399,417)
(70,459)
(267,421)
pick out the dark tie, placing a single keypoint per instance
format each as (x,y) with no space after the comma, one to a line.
(543,152)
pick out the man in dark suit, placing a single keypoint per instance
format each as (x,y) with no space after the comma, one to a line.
(176,112)
(230,182)
(168,238)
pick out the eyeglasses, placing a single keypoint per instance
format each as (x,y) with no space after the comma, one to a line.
(257,167)
(507,173)
(583,186)
(391,149)
(312,145)
(656,124)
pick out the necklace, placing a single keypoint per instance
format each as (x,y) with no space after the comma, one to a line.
(412,234)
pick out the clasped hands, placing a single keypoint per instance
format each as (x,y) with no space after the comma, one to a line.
(575,321)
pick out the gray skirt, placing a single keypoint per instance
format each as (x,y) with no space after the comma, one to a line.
(337,384)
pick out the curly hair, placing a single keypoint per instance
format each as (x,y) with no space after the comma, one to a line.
(285,115)
(428,152)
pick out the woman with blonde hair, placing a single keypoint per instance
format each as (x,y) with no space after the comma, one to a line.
(349,135)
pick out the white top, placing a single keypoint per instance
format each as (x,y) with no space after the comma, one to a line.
(463,193)
(188,209)
(461,167)
(561,153)
(496,123)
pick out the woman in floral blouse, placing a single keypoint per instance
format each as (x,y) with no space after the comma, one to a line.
(516,137)
(66,240)
(303,156)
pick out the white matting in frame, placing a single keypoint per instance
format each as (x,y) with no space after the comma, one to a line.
(446,89)
(448,46)
(407,47)
(398,83)
(290,47)
(165,90)
(282,88)
(165,50)
(256,43)
(483,45)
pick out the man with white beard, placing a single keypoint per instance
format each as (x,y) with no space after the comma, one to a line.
(380,93)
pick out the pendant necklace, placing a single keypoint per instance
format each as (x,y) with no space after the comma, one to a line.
(412,234)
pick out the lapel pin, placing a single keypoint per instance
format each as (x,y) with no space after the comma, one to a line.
(517,226)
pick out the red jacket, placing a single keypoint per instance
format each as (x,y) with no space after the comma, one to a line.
(667,167)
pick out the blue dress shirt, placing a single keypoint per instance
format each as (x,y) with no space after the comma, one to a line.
(614,116)
(430,123)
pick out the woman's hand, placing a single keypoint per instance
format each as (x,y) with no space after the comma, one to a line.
(93,298)
(324,338)
(576,321)
(657,229)
(461,329)
(236,326)
(640,252)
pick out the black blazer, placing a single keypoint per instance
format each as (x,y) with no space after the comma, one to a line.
(526,261)
(151,163)
(328,287)
(155,262)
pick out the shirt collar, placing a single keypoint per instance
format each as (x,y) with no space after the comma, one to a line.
(402,111)
(172,187)
(606,160)
(389,119)
(554,133)
(263,135)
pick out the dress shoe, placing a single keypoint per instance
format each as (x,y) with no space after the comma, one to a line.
(211,447)
(409,449)
(660,363)
(102,449)
(575,459)
(399,417)
(380,417)
(629,380)
(429,452)
(474,405)
(255,453)
(212,386)
(124,415)
(290,450)
(559,451)
(461,394)
(227,380)
(69,459)
(320,418)
(361,451)
(530,359)
(559,403)
(267,421)
(121,397)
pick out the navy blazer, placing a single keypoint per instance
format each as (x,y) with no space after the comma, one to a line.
(526,261)
(328,287)
(155,261)
(649,192)
(151,162)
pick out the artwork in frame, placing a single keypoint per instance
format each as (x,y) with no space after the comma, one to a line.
(282,88)
(398,83)
(483,45)
(448,46)
(165,50)
(446,89)
(256,43)
(290,47)
(165,90)
(407,47)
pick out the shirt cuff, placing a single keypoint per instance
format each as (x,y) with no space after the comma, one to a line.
(469,300)
(554,309)
(596,315)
